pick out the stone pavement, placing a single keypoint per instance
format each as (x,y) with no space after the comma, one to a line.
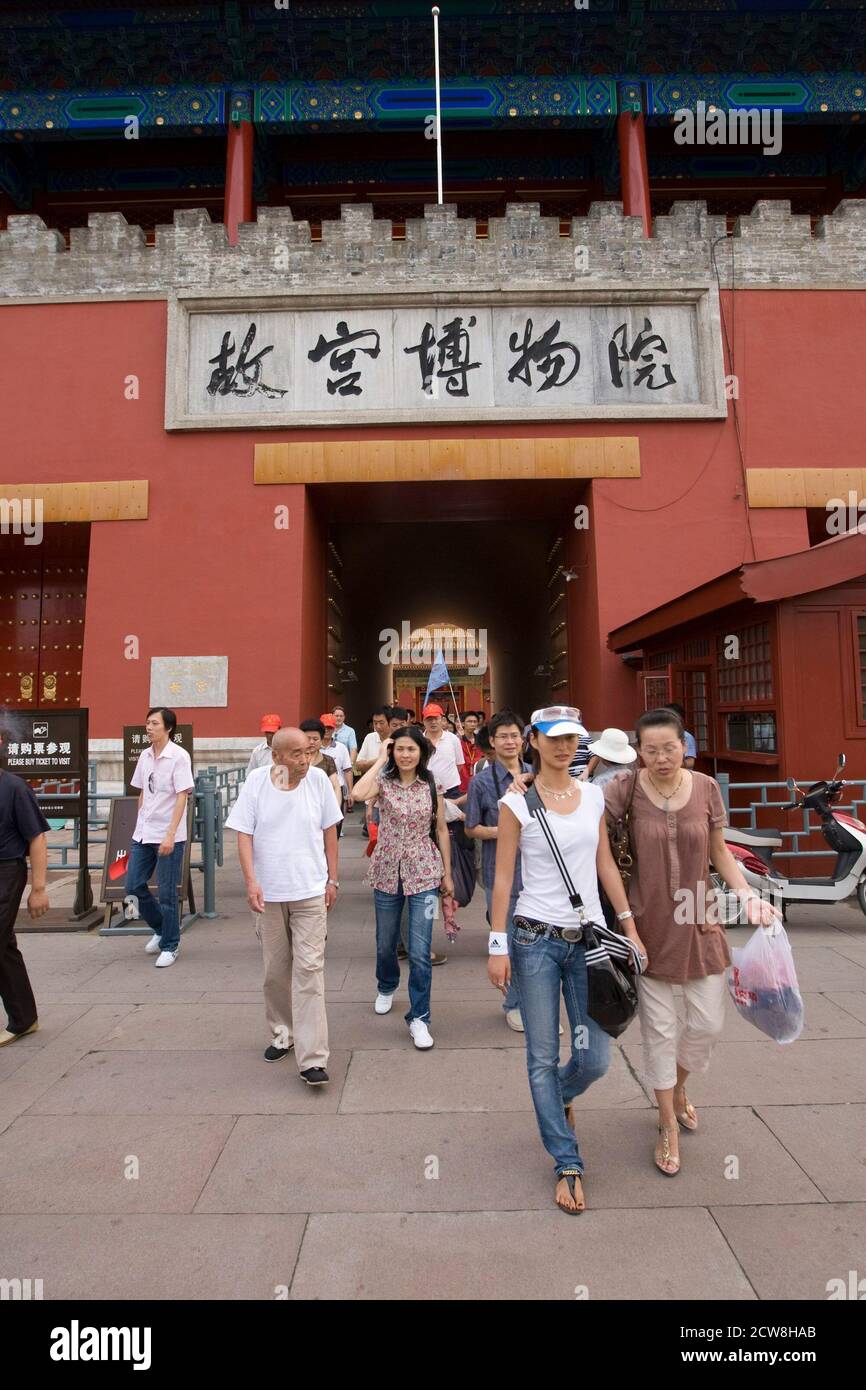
(413,1175)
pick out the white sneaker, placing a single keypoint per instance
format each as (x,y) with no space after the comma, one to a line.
(166,958)
(420,1033)
(153,945)
(383,1003)
(513,1019)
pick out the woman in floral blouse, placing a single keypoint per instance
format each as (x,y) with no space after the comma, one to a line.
(411,861)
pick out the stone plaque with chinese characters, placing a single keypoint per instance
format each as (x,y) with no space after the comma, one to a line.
(189,681)
(442,359)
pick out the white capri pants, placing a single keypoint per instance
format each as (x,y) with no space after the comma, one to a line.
(665,1041)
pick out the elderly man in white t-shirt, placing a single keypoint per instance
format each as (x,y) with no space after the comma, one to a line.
(286,818)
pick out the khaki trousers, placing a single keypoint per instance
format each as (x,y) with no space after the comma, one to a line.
(665,1043)
(293,948)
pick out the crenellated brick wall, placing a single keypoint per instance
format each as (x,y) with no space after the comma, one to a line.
(769,248)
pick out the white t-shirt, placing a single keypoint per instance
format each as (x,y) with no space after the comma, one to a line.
(544,897)
(286,826)
(446,760)
(370,748)
(340,754)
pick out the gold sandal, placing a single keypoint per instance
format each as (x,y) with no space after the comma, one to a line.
(667,1157)
(688,1116)
(569,1175)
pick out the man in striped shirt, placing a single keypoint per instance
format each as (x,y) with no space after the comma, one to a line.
(579,763)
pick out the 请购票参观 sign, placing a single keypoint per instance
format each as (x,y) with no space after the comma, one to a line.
(365,361)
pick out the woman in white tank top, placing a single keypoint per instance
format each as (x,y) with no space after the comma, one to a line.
(548,965)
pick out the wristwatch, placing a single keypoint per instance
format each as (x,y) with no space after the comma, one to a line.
(334,882)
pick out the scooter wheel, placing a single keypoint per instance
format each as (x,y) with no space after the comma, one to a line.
(861,894)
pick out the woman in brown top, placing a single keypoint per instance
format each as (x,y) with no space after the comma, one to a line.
(676,823)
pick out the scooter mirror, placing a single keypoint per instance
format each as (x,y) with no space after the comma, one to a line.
(842,761)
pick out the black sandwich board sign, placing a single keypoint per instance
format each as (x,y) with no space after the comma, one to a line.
(49,749)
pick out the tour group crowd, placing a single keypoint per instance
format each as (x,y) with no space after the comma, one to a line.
(528,811)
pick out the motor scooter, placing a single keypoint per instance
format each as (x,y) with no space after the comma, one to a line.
(754,850)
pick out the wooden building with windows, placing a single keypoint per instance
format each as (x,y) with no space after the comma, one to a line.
(769,660)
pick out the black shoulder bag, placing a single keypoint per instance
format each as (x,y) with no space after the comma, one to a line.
(612,962)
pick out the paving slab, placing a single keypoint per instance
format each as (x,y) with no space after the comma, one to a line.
(393,1080)
(137,1163)
(531,1255)
(801,1073)
(238,973)
(852,1001)
(823,968)
(852,950)
(794,1252)
(174,1257)
(207,1024)
(413,1162)
(53,1019)
(44,1067)
(461,977)
(189,1083)
(829,1143)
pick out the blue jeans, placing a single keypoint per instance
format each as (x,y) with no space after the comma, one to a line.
(546,967)
(512,998)
(422,908)
(161,917)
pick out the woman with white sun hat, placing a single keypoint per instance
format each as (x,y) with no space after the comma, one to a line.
(610,754)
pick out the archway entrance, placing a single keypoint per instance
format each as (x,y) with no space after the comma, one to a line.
(478,563)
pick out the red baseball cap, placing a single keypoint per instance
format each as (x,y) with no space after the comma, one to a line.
(431,711)
(270,723)
(328,720)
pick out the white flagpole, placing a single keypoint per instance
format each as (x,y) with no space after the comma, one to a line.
(438,103)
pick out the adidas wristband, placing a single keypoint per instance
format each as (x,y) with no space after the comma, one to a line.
(497,944)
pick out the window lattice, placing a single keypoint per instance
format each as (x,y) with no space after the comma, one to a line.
(747,677)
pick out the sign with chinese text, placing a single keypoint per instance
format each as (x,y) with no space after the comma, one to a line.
(49,748)
(366,361)
(189,681)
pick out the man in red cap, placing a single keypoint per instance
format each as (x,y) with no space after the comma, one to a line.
(261,754)
(448,756)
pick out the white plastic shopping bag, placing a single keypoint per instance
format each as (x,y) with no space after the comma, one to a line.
(763,984)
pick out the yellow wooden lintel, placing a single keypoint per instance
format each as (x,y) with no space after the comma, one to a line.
(455,460)
(803,487)
(96,501)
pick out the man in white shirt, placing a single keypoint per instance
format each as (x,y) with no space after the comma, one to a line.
(261,754)
(340,754)
(286,818)
(372,745)
(447,751)
(163,775)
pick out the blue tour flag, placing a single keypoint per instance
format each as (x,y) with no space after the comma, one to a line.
(438,674)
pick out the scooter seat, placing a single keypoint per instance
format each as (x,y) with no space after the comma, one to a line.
(752,837)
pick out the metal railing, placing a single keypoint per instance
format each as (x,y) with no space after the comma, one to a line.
(745,816)
(214,794)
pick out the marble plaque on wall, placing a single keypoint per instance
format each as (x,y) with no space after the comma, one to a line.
(551,355)
(189,681)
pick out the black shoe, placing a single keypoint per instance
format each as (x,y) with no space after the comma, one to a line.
(274,1054)
(315,1076)
(402,953)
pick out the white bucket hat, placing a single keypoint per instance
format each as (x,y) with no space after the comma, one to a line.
(614,747)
